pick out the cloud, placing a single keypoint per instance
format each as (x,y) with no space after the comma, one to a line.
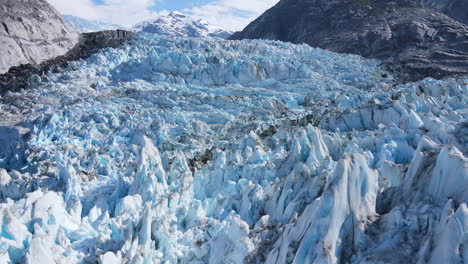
(229,14)
(122,12)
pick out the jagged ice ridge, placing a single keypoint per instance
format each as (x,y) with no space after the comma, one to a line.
(212,151)
(86,26)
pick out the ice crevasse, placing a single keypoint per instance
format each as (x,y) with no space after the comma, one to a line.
(214,151)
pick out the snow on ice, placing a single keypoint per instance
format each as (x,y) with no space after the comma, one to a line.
(213,151)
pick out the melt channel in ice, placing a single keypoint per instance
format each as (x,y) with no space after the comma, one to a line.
(213,151)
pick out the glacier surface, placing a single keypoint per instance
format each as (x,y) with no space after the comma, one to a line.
(85,26)
(214,151)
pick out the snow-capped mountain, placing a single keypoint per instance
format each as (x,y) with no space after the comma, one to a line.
(211,151)
(176,24)
(85,26)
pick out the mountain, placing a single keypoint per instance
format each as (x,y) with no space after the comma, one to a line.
(408,33)
(26,76)
(203,150)
(456,9)
(177,24)
(85,26)
(32,31)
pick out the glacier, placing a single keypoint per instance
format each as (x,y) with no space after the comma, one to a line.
(86,26)
(211,151)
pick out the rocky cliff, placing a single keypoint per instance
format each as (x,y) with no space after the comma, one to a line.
(414,35)
(456,9)
(27,75)
(32,31)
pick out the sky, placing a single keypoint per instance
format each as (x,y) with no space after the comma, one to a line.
(230,14)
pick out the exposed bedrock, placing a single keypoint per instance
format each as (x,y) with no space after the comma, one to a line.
(414,38)
(24,76)
(32,31)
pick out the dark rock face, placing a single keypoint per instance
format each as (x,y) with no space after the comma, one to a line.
(32,31)
(414,41)
(23,76)
(456,9)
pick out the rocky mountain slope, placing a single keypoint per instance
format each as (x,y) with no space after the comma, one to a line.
(27,75)
(456,9)
(177,24)
(406,34)
(32,31)
(86,26)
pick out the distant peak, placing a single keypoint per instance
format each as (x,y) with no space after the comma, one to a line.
(177,24)
(176,13)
